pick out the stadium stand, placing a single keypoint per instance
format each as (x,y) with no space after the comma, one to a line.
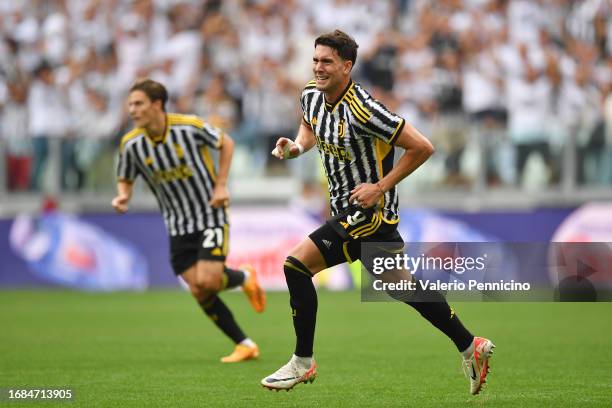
(515,94)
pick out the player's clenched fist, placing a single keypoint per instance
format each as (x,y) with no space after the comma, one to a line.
(287,149)
(120,203)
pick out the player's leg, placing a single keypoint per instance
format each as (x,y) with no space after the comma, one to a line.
(246,278)
(213,245)
(202,267)
(322,249)
(301,265)
(232,278)
(205,280)
(216,276)
(475,350)
(432,305)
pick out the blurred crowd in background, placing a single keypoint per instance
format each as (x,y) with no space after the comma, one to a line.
(509,91)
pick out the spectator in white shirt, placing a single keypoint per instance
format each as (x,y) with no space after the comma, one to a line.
(48,118)
(14,131)
(529,111)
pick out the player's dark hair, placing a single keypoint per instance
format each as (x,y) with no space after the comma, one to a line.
(154,90)
(344,44)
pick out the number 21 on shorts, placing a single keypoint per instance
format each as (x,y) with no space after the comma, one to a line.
(213,237)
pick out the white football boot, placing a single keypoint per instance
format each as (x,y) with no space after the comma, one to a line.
(476,367)
(291,374)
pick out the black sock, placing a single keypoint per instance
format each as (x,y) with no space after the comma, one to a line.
(232,278)
(433,307)
(223,318)
(303,301)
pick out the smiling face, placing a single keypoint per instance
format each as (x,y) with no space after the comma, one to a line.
(142,110)
(332,73)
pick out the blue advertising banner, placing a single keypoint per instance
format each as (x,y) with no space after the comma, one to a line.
(252,227)
(65,250)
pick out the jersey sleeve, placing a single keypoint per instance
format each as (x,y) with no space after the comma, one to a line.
(379,121)
(210,135)
(305,100)
(126,166)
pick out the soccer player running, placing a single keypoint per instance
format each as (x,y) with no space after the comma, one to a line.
(172,153)
(355,136)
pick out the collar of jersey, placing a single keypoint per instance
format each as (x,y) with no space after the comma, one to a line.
(331,107)
(162,139)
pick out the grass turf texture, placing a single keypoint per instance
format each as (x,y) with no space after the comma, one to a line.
(156,349)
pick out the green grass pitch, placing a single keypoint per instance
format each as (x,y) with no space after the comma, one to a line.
(156,349)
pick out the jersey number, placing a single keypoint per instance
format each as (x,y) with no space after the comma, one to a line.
(213,237)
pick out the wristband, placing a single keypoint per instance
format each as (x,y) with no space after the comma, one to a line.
(300,147)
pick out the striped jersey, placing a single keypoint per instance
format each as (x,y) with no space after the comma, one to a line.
(355,139)
(179,169)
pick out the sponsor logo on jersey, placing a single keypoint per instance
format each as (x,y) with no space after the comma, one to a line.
(334,150)
(175,173)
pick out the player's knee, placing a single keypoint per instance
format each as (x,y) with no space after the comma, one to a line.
(295,267)
(203,286)
(301,287)
(308,255)
(208,284)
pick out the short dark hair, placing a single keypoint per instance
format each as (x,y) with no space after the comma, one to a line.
(344,44)
(154,90)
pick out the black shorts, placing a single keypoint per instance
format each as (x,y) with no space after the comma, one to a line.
(339,239)
(209,244)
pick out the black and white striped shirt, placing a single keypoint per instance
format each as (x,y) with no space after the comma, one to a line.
(355,140)
(179,169)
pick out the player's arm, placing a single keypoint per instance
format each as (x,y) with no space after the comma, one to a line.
(221,193)
(124,193)
(290,149)
(126,173)
(417,149)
